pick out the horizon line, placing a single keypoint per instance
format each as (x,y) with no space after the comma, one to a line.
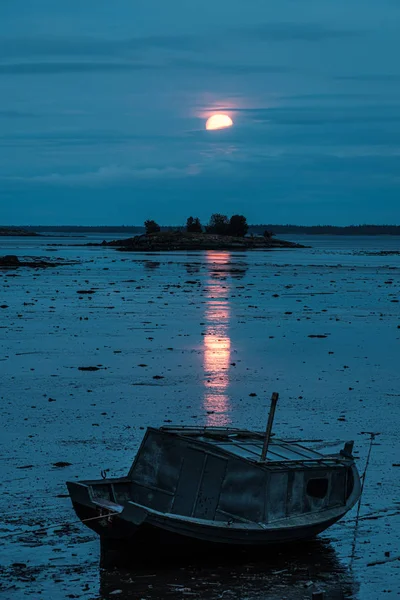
(15,226)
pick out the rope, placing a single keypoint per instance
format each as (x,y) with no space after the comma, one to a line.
(66,523)
(363,476)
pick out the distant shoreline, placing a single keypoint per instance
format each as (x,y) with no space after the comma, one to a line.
(127,230)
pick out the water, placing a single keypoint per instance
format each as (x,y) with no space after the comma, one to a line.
(216,327)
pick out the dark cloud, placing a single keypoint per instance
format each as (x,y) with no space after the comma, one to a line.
(321,115)
(333,96)
(305,188)
(289,32)
(226,68)
(85,138)
(371,78)
(57,67)
(15,114)
(47,68)
(46,46)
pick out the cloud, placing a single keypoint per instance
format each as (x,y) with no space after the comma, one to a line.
(83,137)
(321,115)
(46,68)
(228,68)
(54,67)
(332,96)
(15,114)
(371,78)
(310,188)
(288,32)
(52,55)
(51,46)
(111,174)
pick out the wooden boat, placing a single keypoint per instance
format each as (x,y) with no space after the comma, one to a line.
(220,486)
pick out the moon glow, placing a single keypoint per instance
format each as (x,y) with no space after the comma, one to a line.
(218,121)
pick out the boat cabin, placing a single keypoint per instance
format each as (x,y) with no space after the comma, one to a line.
(217,474)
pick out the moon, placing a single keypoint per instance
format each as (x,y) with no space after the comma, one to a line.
(218,121)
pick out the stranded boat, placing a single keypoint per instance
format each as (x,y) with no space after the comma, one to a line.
(220,486)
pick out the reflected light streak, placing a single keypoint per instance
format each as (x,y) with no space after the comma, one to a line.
(217,343)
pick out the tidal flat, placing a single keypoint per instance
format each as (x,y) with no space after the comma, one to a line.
(94,352)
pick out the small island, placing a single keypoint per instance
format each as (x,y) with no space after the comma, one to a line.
(220,234)
(16,232)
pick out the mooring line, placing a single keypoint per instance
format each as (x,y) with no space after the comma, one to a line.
(363,476)
(63,524)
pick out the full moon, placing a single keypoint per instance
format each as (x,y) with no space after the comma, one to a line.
(218,121)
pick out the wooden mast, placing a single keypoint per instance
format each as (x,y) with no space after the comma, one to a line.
(274,400)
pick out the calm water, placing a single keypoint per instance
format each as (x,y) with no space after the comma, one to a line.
(217,327)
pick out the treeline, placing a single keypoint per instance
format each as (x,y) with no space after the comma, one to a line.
(218,224)
(328,229)
(254,229)
(81,228)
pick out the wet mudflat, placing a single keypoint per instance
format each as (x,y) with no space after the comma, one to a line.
(92,353)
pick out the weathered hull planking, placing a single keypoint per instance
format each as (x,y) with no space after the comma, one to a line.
(208,487)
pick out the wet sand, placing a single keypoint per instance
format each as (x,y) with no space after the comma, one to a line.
(195,338)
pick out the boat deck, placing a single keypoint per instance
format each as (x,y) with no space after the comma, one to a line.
(248,445)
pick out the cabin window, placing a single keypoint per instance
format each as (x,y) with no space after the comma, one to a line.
(317,488)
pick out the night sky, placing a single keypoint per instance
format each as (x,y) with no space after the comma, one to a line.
(103,108)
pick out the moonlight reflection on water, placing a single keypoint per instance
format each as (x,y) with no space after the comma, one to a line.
(217,343)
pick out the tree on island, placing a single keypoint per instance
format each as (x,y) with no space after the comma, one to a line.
(151,226)
(193,225)
(218,224)
(238,226)
(268,234)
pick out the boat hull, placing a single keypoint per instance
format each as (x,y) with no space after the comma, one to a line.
(151,543)
(158,537)
(210,502)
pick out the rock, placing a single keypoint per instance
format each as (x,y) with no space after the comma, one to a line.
(10,260)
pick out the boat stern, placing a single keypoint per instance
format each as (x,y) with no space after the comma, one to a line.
(96,505)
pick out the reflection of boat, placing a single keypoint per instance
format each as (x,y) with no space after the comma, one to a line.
(219,486)
(293,573)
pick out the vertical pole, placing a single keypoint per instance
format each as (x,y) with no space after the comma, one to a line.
(274,400)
